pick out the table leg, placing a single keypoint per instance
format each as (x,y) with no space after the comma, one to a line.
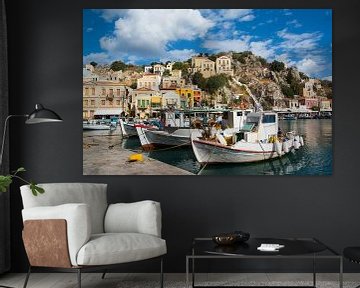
(193,272)
(341,273)
(314,271)
(187,272)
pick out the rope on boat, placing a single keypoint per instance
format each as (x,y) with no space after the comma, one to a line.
(262,148)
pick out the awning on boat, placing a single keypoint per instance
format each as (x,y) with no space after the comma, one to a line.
(155,99)
(108,111)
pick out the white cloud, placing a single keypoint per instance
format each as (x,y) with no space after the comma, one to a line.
(112,14)
(100,58)
(259,48)
(329,78)
(178,55)
(149,33)
(295,23)
(241,15)
(262,48)
(311,65)
(303,41)
(228,44)
(287,12)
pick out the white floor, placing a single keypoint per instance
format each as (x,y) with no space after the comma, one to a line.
(118,280)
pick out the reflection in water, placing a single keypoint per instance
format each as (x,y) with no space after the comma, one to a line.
(315,158)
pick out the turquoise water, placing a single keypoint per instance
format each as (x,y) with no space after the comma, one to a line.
(315,158)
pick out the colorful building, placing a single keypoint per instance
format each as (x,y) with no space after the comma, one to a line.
(109,97)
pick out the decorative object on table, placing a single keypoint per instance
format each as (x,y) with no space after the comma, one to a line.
(231,238)
(39,115)
(270,247)
(97,236)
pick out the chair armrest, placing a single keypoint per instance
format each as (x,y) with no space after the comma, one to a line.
(138,217)
(78,223)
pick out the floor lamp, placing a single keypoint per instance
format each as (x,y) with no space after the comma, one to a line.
(39,115)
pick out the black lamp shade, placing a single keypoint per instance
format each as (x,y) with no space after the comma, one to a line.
(42,115)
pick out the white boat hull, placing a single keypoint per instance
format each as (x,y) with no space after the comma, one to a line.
(130,130)
(241,152)
(179,137)
(96,127)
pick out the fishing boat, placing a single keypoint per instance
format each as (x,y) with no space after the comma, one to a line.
(178,129)
(128,128)
(97,125)
(257,140)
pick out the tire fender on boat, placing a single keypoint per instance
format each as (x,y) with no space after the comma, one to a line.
(221,139)
(286,146)
(277,146)
(301,141)
(296,142)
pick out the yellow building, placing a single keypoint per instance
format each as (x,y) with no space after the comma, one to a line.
(192,95)
(102,99)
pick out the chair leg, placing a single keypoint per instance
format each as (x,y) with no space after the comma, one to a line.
(103,275)
(161,273)
(79,277)
(27,277)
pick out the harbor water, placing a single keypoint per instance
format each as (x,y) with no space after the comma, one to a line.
(314,158)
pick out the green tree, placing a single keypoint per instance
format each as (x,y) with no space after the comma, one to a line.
(277,66)
(262,61)
(166,72)
(133,85)
(118,65)
(287,91)
(92,63)
(178,66)
(214,83)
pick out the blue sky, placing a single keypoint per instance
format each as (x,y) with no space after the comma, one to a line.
(298,37)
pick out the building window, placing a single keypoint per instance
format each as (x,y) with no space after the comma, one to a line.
(92,113)
(111,92)
(143,103)
(147,103)
(118,92)
(103,91)
(86,91)
(103,102)
(85,102)
(118,102)
(92,102)
(139,102)
(92,91)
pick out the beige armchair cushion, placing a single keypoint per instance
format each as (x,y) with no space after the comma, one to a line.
(113,248)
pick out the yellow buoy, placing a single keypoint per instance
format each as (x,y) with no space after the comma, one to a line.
(136,157)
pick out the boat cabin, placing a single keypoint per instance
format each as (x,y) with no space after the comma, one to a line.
(259,126)
(236,118)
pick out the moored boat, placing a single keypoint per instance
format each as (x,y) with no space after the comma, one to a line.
(97,125)
(181,135)
(259,139)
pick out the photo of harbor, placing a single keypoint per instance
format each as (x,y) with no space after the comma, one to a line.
(220,95)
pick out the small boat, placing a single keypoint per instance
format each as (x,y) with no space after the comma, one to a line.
(128,128)
(181,135)
(289,117)
(259,139)
(97,125)
(166,137)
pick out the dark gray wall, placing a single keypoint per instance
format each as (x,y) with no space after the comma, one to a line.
(45,49)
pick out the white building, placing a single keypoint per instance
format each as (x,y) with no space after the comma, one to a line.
(148,69)
(149,81)
(158,69)
(223,65)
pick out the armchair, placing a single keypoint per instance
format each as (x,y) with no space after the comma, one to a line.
(71,228)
